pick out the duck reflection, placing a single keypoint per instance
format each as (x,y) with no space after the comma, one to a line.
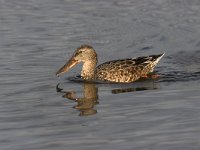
(86,103)
(118,91)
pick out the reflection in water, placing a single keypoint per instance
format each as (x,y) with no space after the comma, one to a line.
(85,104)
(90,96)
(117,91)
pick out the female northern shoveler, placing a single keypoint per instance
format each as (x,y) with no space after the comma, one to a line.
(124,70)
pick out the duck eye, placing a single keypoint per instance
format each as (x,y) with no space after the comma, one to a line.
(80,52)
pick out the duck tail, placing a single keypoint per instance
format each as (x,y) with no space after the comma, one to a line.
(156,58)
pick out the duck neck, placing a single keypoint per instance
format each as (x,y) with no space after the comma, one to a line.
(88,70)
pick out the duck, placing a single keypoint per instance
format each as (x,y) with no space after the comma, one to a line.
(119,71)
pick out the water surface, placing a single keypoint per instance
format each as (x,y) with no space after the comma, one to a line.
(40,111)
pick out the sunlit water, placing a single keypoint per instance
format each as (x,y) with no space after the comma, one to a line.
(40,111)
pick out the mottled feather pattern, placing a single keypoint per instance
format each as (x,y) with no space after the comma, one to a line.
(126,70)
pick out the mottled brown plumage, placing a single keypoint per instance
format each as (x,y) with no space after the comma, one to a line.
(124,70)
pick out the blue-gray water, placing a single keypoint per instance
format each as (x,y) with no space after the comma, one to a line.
(38,36)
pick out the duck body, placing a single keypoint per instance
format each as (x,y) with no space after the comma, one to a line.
(127,70)
(123,70)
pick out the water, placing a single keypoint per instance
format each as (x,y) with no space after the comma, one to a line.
(37,37)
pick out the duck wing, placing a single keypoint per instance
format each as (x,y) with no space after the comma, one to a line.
(127,70)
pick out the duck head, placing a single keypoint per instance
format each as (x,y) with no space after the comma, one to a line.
(85,54)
